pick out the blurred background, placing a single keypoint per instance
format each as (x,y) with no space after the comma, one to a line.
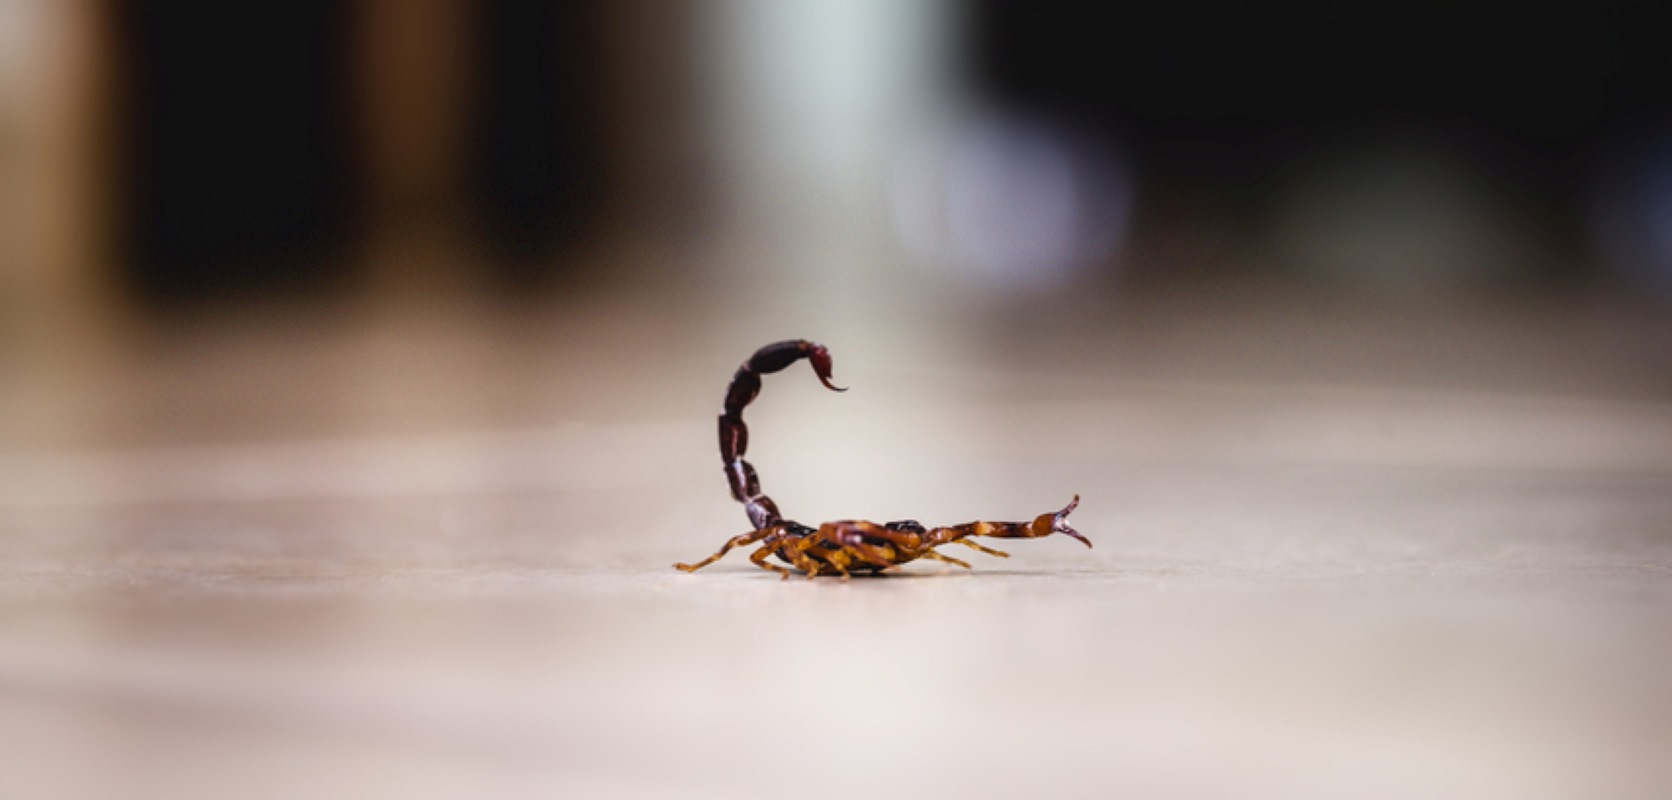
(828,166)
(338,338)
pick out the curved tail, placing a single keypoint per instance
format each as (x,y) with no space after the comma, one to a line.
(734,435)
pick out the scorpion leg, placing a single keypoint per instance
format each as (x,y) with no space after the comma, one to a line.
(988,550)
(829,555)
(828,560)
(930,554)
(837,558)
(880,556)
(794,550)
(859,552)
(759,558)
(736,541)
(830,551)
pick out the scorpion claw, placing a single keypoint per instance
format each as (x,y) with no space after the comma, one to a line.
(1074,533)
(1060,523)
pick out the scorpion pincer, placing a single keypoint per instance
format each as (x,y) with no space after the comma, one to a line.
(845,546)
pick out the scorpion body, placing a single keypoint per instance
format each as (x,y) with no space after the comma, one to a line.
(844,546)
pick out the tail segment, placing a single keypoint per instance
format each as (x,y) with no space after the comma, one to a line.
(734,435)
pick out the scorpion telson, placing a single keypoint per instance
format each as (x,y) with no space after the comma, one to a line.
(845,546)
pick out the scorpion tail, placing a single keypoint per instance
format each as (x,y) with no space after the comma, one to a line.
(734,435)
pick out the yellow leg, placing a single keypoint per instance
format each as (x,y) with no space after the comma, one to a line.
(883,556)
(948,559)
(796,551)
(759,558)
(839,559)
(832,558)
(736,541)
(988,550)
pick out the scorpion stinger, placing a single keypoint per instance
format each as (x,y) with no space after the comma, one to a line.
(836,548)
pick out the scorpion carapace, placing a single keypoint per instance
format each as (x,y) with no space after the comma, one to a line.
(836,548)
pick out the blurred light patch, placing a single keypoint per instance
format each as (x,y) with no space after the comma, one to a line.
(810,87)
(1397,217)
(1001,203)
(1631,210)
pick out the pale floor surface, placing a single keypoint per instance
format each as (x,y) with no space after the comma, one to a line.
(452,575)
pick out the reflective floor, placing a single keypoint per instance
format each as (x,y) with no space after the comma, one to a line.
(424,550)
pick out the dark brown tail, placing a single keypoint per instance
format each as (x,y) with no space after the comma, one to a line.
(734,435)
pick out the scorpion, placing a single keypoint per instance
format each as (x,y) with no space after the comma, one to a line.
(844,546)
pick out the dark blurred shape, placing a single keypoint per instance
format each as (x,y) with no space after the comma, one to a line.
(538,147)
(237,147)
(272,147)
(1631,213)
(1537,68)
(1400,215)
(1215,99)
(247,159)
